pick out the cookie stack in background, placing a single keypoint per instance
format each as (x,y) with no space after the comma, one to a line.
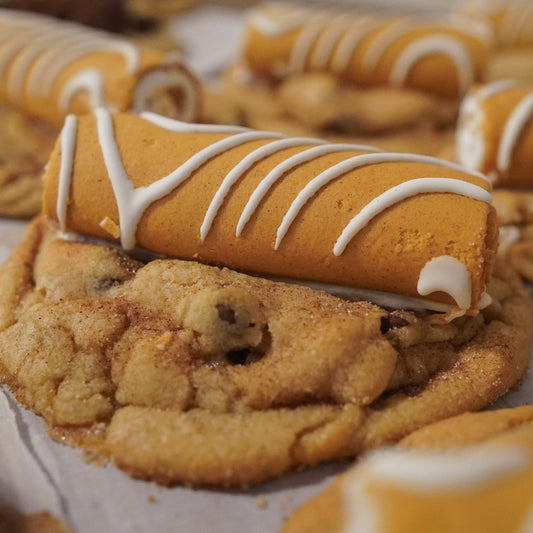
(152,313)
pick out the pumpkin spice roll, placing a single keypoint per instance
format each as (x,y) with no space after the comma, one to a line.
(183,372)
(512,24)
(49,68)
(253,200)
(495,136)
(354,74)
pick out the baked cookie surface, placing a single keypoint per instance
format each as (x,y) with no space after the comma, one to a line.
(181,372)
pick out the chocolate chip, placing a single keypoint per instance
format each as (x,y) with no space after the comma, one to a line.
(238,357)
(226,313)
(104,284)
(392,322)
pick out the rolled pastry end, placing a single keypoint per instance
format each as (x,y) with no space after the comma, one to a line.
(168,90)
(470,145)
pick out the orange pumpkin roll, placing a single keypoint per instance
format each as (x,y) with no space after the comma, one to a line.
(261,202)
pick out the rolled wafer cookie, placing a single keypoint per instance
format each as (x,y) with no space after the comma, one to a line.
(512,20)
(299,208)
(49,68)
(443,58)
(495,132)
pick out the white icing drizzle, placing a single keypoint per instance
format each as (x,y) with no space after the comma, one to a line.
(327,40)
(390,33)
(401,192)
(424,472)
(68,145)
(157,79)
(428,471)
(516,122)
(184,127)
(89,80)
(350,41)
(277,172)
(470,145)
(238,170)
(335,37)
(513,20)
(435,44)
(63,58)
(490,89)
(26,53)
(341,168)
(131,201)
(277,19)
(446,274)
(306,37)
(37,49)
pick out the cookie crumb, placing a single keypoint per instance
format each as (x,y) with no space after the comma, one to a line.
(162,341)
(261,503)
(151,498)
(108,225)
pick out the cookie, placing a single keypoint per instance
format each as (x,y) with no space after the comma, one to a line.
(317,104)
(13,522)
(472,428)
(54,68)
(25,145)
(182,372)
(481,487)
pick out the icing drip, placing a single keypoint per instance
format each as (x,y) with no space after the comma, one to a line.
(448,275)
(68,145)
(438,44)
(513,128)
(345,166)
